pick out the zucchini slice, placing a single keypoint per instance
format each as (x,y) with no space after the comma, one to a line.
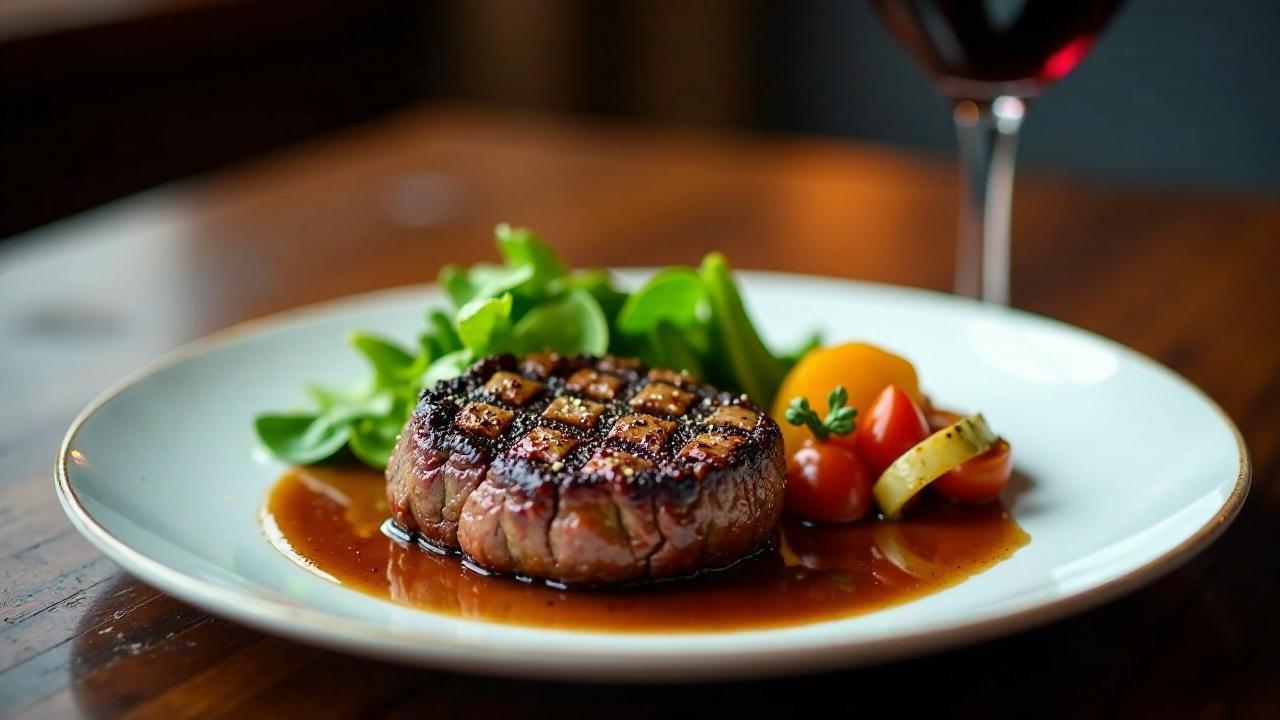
(928,460)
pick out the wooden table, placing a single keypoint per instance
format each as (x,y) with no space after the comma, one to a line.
(1187,277)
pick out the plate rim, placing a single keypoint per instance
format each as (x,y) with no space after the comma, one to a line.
(375,640)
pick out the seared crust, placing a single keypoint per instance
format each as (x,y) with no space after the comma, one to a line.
(669,478)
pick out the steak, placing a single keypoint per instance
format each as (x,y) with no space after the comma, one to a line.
(586,471)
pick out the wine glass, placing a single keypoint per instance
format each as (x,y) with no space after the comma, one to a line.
(991,57)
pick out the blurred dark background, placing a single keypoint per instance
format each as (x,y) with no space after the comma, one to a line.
(101,98)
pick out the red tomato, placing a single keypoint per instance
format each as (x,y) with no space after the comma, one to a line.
(979,480)
(827,483)
(892,426)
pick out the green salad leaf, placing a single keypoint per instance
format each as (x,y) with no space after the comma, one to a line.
(521,248)
(327,397)
(392,365)
(674,296)
(484,324)
(572,324)
(683,318)
(372,439)
(670,347)
(743,358)
(439,339)
(302,438)
(481,282)
(451,365)
(599,285)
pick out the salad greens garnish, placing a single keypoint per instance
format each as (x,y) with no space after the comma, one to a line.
(683,318)
(839,419)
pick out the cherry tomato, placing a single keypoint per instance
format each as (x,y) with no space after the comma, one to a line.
(979,480)
(827,483)
(892,426)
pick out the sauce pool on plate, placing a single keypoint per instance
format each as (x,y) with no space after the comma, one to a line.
(329,520)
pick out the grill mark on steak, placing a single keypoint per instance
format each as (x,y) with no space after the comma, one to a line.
(509,504)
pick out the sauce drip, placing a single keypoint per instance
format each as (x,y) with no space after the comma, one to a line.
(329,520)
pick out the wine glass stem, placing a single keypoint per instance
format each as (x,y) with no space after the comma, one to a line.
(988,134)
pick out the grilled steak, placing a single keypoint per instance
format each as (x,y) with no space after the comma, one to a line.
(587,471)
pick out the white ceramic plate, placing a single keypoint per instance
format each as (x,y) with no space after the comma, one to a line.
(1133,468)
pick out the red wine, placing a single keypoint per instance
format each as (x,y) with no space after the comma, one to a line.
(979,49)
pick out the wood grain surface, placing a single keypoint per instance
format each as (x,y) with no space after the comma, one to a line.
(1187,277)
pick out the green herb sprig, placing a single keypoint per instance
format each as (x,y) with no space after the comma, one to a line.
(839,419)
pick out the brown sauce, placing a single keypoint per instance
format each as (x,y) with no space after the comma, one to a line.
(329,520)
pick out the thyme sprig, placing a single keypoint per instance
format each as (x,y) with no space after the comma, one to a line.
(839,419)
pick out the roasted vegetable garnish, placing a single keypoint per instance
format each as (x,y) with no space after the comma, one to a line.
(924,463)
